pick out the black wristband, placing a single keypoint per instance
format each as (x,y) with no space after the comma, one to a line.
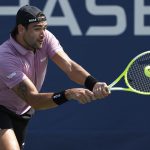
(59,98)
(89,83)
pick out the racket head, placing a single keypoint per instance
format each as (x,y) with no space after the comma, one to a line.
(137,74)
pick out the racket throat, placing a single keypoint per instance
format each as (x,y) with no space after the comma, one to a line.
(120,89)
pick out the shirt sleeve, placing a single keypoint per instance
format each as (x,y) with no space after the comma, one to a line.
(52,44)
(10,71)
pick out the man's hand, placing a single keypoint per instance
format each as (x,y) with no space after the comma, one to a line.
(100,90)
(82,95)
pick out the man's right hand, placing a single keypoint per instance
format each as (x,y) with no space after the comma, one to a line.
(82,95)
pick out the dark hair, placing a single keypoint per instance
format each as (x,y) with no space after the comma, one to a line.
(14,32)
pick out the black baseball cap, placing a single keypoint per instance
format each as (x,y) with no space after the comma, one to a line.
(29,14)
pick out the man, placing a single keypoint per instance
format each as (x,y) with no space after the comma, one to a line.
(23,62)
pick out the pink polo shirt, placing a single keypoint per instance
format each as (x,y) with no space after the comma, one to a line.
(17,64)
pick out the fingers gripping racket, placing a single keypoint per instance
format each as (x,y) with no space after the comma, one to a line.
(136,75)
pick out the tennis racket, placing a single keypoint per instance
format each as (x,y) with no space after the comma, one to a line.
(136,75)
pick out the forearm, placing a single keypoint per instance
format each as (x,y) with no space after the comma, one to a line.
(77,73)
(73,70)
(41,101)
(28,93)
(81,76)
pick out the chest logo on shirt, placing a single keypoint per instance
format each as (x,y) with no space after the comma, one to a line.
(43,59)
(10,76)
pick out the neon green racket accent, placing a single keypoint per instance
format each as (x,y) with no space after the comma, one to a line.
(124,74)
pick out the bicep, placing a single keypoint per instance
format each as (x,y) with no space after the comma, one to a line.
(25,90)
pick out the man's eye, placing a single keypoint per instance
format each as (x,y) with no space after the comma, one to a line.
(36,29)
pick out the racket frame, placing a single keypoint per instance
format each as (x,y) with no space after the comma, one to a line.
(124,74)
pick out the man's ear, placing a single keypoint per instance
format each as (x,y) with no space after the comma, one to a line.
(21,29)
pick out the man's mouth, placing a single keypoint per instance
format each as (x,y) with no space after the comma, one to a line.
(40,41)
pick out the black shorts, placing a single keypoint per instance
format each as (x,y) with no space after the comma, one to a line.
(10,120)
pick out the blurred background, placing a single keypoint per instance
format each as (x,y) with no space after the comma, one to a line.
(102,36)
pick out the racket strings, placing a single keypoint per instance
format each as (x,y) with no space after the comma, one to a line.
(136,77)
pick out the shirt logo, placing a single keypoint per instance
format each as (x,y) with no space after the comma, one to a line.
(43,59)
(10,76)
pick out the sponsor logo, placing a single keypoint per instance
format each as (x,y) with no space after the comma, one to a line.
(10,76)
(57,96)
(32,20)
(43,59)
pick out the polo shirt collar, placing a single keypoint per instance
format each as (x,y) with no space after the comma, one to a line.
(18,47)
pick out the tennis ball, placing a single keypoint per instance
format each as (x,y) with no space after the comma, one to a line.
(147,71)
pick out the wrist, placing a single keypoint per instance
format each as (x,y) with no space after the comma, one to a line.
(90,81)
(60,97)
(68,94)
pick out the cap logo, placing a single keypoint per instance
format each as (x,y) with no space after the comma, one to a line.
(32,20)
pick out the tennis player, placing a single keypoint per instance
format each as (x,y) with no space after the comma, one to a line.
(23,63)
